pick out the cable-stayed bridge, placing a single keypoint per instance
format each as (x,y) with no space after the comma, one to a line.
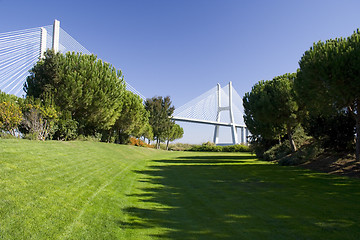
(220,107)
(20,50)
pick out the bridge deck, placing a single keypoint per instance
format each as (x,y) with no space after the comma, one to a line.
(182,119)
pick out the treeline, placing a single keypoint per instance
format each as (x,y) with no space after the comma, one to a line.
(79,96)
(318,105)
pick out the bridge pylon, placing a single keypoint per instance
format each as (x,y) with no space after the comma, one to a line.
(218,115)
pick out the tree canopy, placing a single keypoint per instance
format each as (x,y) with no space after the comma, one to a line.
(271,109)
(89,89)
(160,110)
(175,132)
(329,78)
(133,119)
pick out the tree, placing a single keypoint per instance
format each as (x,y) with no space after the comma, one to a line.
(255,105)
(271,109)
(90,89)
(329,78)
(39,119)
(4,97)
(160,110)
(335,131)
(175,132)
(10,117)
(133,119)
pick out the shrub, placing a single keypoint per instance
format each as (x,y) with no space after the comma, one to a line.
(66,130)
(90,138)
(335,132)
(211,147)
(236,148)
(306,153)
(10,117)
(283,149)
(278,151)
(180,147)
(137,142)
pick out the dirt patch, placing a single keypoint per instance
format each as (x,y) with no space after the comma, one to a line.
(339,164)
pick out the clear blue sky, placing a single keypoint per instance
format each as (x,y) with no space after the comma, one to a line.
(183,48)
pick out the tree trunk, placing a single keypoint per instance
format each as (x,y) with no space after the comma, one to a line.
(157,143)
(167,145)
(292,143)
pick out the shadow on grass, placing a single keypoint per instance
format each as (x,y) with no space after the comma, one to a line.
(219,157)
(243,201)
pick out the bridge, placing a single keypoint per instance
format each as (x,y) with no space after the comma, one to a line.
(211,107)
(20,50)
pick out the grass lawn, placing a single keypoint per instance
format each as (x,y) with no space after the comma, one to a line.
(86,190)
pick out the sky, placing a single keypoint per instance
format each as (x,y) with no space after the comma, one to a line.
(183,48)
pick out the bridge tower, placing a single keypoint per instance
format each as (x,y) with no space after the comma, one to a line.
(218,115)
(55,38)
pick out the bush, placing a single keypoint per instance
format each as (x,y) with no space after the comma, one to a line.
(211,147)
(236,148)
(206,147)
(137,142)
(283,149)
(31,136)
(90,138)
(180,147)
(10,117)
(335,132)
(278,151)
(260,145)
(66,130)
(306,153)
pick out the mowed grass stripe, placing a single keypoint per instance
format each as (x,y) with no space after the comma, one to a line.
(85,190)
(47,184)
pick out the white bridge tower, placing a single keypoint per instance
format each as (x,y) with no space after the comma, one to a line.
(218,116)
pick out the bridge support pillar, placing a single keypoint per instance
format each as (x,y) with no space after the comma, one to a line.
(242,135)
(56,36)
(233,128)
(216,131)
(230,109)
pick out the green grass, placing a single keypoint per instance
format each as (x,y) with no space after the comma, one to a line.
(87,190)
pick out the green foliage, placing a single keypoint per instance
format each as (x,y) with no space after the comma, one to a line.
(271,110)
(236,148)
(90,138)
(10,117)
(255,105)
(306,153)
(335,132)
(206,147)
(278,151)
(4,97)
(39,119)
(173,133)
(260,145)
(90,89)
(133,119)
(329,78)
(283,149)
(211,147)
(160,110)
(66,129)
(180,146)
